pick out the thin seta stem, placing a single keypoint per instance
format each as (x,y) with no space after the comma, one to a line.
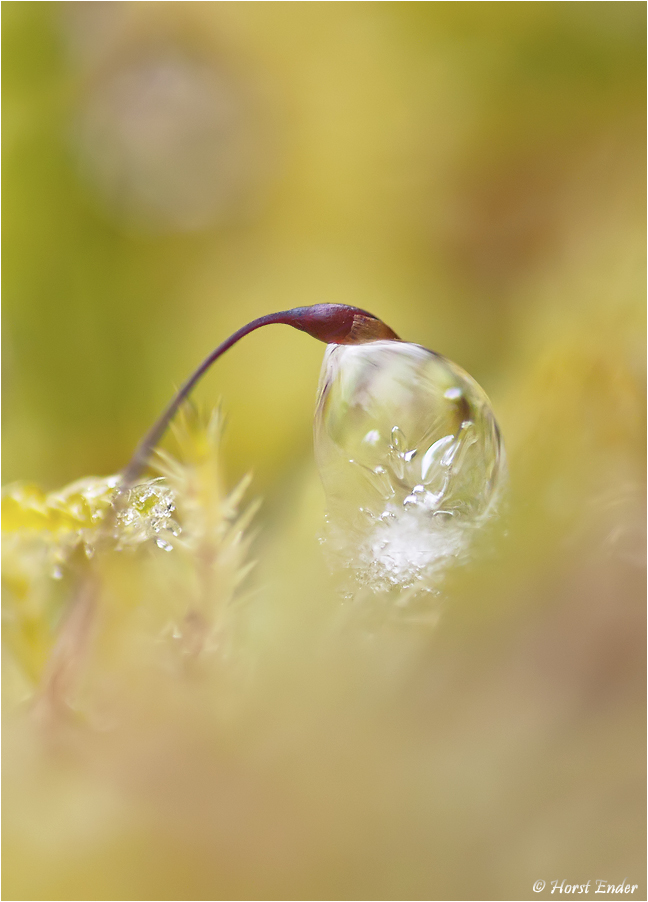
(330,323)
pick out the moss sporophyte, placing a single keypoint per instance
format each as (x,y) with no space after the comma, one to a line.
(330,323)
(408,451)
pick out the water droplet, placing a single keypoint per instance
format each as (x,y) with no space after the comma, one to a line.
(163,544)
(421,493)
(147,515)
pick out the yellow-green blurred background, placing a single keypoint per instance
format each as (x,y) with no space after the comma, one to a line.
(473,174)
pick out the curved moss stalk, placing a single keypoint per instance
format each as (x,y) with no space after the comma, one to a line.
(330,323)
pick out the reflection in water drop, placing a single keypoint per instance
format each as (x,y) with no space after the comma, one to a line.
(411,460)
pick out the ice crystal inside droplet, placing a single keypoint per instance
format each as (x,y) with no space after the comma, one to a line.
(411,460)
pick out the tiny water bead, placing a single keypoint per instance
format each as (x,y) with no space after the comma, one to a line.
(411,459)
(147,513)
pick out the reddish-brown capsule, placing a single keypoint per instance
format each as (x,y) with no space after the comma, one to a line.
(338,324)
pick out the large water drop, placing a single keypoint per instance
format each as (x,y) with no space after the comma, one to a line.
(411,459)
